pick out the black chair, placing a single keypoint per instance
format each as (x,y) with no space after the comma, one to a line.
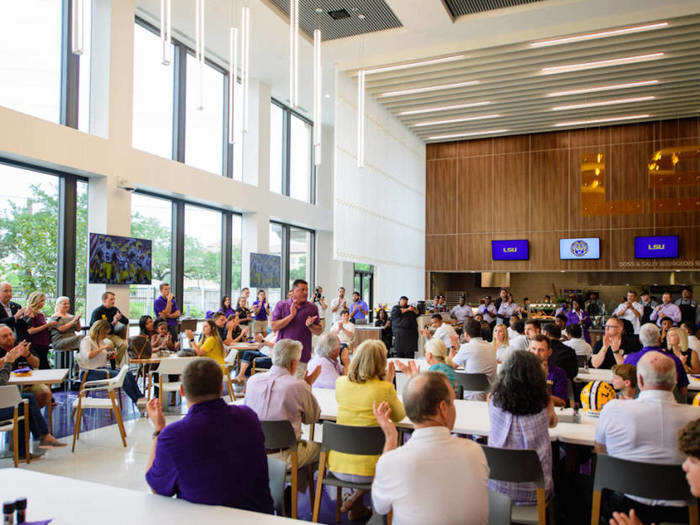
(521,466)
(348,440)
(471,383)
(644,480)
(280,436)
(581,360)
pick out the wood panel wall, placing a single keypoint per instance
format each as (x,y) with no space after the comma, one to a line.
(528,187)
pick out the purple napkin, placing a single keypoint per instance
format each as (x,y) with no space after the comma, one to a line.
(23,370)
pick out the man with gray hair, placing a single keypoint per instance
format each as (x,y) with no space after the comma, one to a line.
(327,353)
(434,476)
(650,337)
(646,430)
(278,394)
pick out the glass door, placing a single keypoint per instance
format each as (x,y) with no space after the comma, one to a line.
(363,282)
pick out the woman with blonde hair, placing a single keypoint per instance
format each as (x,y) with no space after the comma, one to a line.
(210,344)
(500,342)
(369,381)
(677,343)
(38,328)
(436,356)
(64,335)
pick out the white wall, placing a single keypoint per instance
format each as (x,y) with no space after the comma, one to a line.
(379,210)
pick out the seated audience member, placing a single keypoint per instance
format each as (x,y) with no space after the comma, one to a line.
(612,348)
(333,359)
(38,329)
(556,377)
(141,345)
(24,359)
(666,309)
(344,330)
(633,430)
(165,307)
(562,356)
(262,357)
(666,325)
(560,321)
(243,312)
(630,310)
(511,327)
(442,330)
(532,328)
(576,341)
(369,381)
(215,455)
(521,413)
(434,476)
(210,344)
(519,342)
(63,334)
(501,343)
(225,307)
(279,394)
(578,316)
(95,353)
(477,357)
(11,313)
(624,381)
(436,356)
(677,344)
(118,324)
(162,340)
(229,328)
(650,339)
(693,341)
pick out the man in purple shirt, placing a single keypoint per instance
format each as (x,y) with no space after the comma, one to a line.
(215,455)
(539,345)
(650,337)
(666,309)
(296,318)
(165,307)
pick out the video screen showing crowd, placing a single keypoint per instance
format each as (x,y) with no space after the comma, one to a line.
(119,260)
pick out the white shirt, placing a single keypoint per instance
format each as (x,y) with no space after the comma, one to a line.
(478,357)
(100,360)
(344,338)
(335,302)
(445,332)
(629,315)
(462,313)
(503,352)
(694,343)
(645,429)
(433,478)
(580,346)
(512,334)
(506,310)
(519,342)
(489,312)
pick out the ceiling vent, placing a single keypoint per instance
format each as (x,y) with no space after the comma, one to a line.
(339,14)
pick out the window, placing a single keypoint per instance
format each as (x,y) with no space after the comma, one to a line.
(202,278)
(30,57)
(81,250)
(276,241)
(84,74)
(295,246)
(153,95)
(236,253)
(300,160)
(276,147)
(151,218)
(204,124)
(300,256)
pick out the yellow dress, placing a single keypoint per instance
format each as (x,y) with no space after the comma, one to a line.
(215,350)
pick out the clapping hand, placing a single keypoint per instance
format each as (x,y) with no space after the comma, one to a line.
(117,316)
(155,414)
(293,308)
(310,378)
(390,372)
(620,518)
(383,415)
(310,320)
(410,368)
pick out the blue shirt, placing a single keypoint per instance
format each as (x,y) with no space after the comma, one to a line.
(355,312)
(215,455)
(447,370)
(159,305)
(633,359)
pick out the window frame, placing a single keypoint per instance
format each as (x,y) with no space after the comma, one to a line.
(286,256)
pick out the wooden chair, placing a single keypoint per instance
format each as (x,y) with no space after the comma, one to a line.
(280,436)
(348,440)
(471,383)
(188,324)
(521,466)
(10,398)
(644,480)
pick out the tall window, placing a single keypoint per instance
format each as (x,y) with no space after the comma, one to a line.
(276,148)
(84,74)
(151,218)
(153,95)
(300,256)
(236,253)
(81,247)
(204,124)
(202,280)
(295,246)
(300,159)
(276,242)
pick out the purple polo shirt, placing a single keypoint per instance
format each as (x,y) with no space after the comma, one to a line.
(557,376)
(296,329)
(682,377)
(215,455)
(159,305)
(262,313)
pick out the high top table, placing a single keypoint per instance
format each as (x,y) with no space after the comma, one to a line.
(605,374)
(49,376)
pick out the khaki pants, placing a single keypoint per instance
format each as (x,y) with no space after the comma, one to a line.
(307,453)
(260,327)
(120,346)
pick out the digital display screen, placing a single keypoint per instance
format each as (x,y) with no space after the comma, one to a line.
(587,248)
(119,260)
(656,247)
(518,250)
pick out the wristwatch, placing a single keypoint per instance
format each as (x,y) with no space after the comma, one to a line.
(155,433)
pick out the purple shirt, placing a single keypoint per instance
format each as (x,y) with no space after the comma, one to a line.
(262,313)
(583,318)
(296,329)
(666,310)
(330,371)
(682,377)
(557,377)
(159,305)
(215,455)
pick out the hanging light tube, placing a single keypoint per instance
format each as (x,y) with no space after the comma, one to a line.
(200,7)
(166,27)
(317,97)
(361,119)
(78,27)
(245,64)
(232,72)
(293,52)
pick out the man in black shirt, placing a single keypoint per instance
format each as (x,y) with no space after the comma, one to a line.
(612,348)
(405,326)
(119,324)
(11,313)
(562,356)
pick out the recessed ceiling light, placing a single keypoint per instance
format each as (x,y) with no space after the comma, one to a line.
(470,134)
(602,88)
(603,103)
(439,87)
(602,34)
(361,16)
(319,10)
(421,63)
(444,108)
(600,120)
(553,70)
(451,121)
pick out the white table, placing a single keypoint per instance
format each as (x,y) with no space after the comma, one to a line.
(605,374)
(69,501)
(49,376)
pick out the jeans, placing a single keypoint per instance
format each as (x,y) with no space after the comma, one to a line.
(37,423)
(130,387)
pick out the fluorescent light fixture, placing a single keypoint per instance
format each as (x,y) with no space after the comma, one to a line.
(293,52)
(232,72)
(600,120)
(470,134)
(361,119)
(199,8)
(597,89)
(166,27)
(601,34)
(453,120)
(414,64)
(78,14)
(444,108)
(245,64)
(553,70)
(317,97)
(427,89)
(602,103)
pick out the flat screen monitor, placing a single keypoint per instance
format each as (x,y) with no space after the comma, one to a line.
(517,250)
(265,270)
(656,247)
(586,248)
(119,260)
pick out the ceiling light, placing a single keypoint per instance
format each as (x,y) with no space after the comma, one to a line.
(602,34)
(553,70)
(200,10)
(451,121)
(602,103)
(470,134)
(444,108)
(599,120)
(78,23)
(293,52)
(602,88)
(415,64)
(232,73)
(361,16)
(413,91)
(245,64)
(166,28)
